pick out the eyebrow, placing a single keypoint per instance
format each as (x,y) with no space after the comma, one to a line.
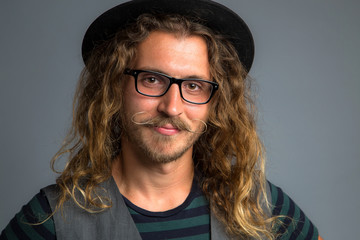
(185,78)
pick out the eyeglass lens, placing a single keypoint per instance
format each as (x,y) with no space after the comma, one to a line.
(153,84)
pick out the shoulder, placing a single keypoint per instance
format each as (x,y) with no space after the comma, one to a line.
(33,221)
(293,224)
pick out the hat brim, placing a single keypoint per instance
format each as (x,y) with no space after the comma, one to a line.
(213,15)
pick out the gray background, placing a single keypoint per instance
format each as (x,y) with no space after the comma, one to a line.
(307,70)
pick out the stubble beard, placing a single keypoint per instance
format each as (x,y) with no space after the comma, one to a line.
(158,148)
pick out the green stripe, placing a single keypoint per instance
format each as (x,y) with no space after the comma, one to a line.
(292,226)
(26,227)
(316,234)
(9,233)
(304,230)
(132,212)
(285,206)
(198,202)
(284,210)
(274,194)
(41,215)
(173,225)
(205,236)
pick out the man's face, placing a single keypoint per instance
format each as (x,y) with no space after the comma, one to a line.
(179,57)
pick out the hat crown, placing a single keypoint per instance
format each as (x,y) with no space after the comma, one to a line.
(213,15)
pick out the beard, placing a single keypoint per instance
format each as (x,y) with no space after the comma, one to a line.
(158,148)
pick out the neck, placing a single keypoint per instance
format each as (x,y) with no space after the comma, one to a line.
(150,185)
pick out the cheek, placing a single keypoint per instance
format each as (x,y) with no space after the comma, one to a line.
(198,112)
(134,102)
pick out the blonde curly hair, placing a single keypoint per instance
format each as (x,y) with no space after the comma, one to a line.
(229,155)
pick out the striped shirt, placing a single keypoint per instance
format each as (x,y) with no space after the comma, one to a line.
(295,225)
(188,221)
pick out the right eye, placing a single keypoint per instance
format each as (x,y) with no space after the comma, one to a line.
(152,80)
(149,79)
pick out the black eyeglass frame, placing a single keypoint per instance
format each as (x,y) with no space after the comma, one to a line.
(178,81)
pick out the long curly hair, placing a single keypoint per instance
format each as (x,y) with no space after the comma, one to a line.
(229,155)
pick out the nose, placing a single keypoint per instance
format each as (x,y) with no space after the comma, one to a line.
(171,104)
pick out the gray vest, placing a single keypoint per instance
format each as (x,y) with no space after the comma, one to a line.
(114,223)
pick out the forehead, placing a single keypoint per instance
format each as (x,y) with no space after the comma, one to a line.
(176,55)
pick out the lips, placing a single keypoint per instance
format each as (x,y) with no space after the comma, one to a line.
(167,129)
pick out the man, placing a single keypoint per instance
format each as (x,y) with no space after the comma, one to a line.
(164,141)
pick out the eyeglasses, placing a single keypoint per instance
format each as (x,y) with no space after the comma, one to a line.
(154,84)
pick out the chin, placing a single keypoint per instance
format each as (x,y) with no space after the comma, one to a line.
(165,153)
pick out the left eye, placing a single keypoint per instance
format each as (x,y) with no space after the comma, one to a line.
(151,80)
(193,86)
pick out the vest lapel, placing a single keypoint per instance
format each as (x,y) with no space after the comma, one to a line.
(217,229)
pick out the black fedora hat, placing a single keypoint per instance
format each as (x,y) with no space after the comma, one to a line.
(213,15)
